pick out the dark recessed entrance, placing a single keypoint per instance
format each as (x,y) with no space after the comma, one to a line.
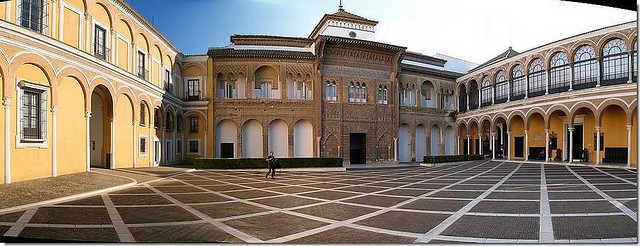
(226,150)
(357,148)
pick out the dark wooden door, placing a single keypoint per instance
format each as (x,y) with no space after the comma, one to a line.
(357,148)
(226,150)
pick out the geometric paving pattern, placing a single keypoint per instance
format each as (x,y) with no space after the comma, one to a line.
(479,201)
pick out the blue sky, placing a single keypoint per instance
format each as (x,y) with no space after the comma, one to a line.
(468,29)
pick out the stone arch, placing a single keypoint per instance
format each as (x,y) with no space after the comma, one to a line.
(226,133)
(25,57)
(125,20)
(303,138)
(130,100)
(513,114)
(435,136)
(497,117)
(252,139)
(80,77)
(530,61)
(278,138)
(614,101)
(553,52)
(580,105)
(611,36)
(535,110)
(556,107)
(102,108)
(512,66)
(632,109)
(404,143)
(106,9)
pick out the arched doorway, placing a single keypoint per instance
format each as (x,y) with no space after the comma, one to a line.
(226,139)
(449,141)
(252,139)
(435,140)
(100,127)
(303,139)
(613,139)
(278,138)
(421,142)
(404,143)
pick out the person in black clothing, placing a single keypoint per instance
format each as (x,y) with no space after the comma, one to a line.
(271,163)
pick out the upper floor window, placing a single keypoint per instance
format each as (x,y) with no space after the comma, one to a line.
(462,99)
(427,93)
(264,91)
(363,92)
(635,61)
(584,68)
(487,91)
(406,95)
(193,124)
(33,14)
(167,81)
(615,62)
(473,95)
(193,89)
(352,92)
(169,122)
(560,73)
(501,88)
(537,79)
(382,94)
(518,86)
(228,90)
(301,90)
(142,67)
(179,123)
(143,114)
(330,91)
(100,43)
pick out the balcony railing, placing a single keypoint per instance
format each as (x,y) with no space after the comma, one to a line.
(193,97)
(143,73)
(102,52)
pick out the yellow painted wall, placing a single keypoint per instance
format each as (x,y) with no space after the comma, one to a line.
(3,7)
(473,137)
(143,161)
(589,129)
(71,28)
(142,43)
(123,54)
(614,127)
(78,4)
(517,130)
(72,128)
(192,71)
(30,163)
(462,139)
(100,14)
(154,75)
(537,135)
(124,132)
(193,135)
(556,126)
(1,132)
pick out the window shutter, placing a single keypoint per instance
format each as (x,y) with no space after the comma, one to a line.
(43,115)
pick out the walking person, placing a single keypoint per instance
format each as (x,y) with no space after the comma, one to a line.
(272,163)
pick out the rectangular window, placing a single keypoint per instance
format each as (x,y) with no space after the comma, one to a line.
(142,71)
(193,89)
(143,145)
(167,82)
(194,146)
(178,146)
(228,91)
(193,124)
(32,14)
(31,115)
(100,43)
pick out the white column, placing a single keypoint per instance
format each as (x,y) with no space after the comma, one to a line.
(546,145)
(175,144)
(526,87)
(163,151)
(135,144)
(88,140)
(508,151)
(547,82)
(508,91)
(205,144)
(629,142)
(467,101)
(150,142)
(480,143)
(113,143)
(468,145)
(458,144)
(597,145)
(570,144)
(493,144)
(395,149)
(318,146)
(570,77)
(7,139)
(526,145)
(54,142)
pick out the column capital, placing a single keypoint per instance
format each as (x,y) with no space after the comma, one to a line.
(468,136)
(547,130)
(87,114)
(113,119)
(135,123)
(54,109)
(526,131)
(6,102)
(508,132)
(598,128)
(629,127)
(570,129)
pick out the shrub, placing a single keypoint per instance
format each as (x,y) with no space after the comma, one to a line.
(451,158)
(255,163)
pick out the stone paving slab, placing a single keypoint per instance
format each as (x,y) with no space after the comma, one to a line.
(228,209)
(196,233)
(272,226)
(138,215)
(405,221)
(67,215)
(515,207)
(494,227)
(71,234)
(336,211)
(436,205)
(594,227)
(345,235)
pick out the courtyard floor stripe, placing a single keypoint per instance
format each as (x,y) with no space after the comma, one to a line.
(623,208)
(236,233)
(453,218)
(15,230)
(372,214)
(118,224)
(614,176)
(546,225)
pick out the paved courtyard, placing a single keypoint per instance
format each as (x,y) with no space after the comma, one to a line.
(478,201)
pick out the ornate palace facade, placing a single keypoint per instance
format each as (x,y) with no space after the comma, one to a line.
(91,84)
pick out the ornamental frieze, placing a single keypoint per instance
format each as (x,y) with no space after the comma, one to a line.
(233,68)
(360,55)
(304,70)
(327,69)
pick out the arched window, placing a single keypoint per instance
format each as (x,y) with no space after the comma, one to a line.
(327,90)
(635,61)
(537,80)
(560,73)
(357,97)
(334,96)
(384,95)
(143,114)
(380,94)
(462,99)
(179,123)
(352,92)
(169,121)
(584,68)
(363,94)
(501,88)
(473,95)
(518,86)
(487,91)
(615,63)
(156,118)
